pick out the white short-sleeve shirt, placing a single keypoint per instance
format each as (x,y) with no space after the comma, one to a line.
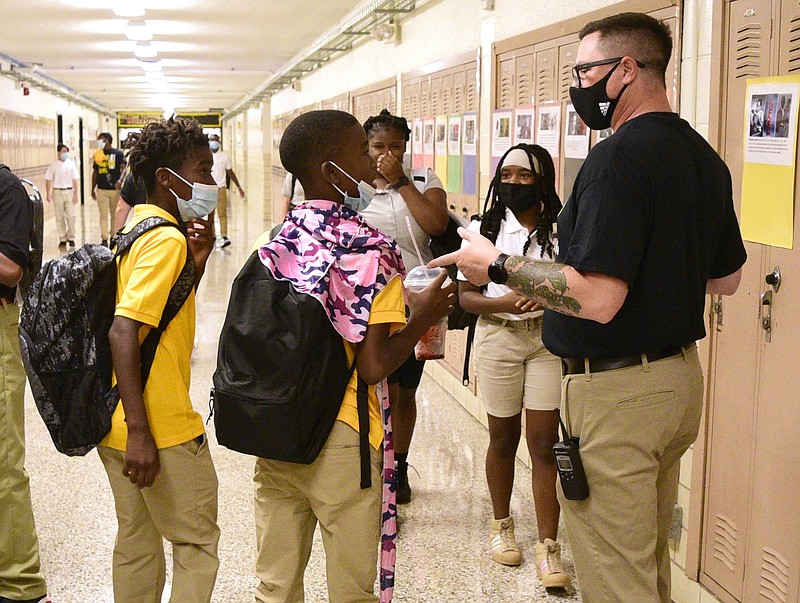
(299,193)
(511,240)
(222,163)
(62,173)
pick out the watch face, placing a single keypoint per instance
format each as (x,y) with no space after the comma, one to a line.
(497,272)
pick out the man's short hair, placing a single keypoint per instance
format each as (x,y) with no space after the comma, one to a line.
(61,146)
(106,136)
(165,143)
(313,138)
(637,35)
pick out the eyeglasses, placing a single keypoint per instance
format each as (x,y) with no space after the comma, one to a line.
(580,68)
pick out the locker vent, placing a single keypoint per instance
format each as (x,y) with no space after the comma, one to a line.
(458,97)
(472,90)
(506,91)
(524,87)
(794,44)
(726,536)
(748,50)
(447,100)
(774,582)
(544,83)
(436,99)
(565,77)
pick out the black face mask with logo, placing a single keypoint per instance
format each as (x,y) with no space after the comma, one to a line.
(593,104)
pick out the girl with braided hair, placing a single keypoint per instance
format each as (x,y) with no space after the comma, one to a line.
(422,199)
(515,371)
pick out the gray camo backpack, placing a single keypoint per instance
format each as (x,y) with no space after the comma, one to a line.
(63,331)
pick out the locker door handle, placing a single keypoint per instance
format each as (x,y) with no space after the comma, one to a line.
(766,315)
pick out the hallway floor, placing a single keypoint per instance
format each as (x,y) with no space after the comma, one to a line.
(443,553)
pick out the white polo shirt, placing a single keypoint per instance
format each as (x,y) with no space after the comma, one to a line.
(511,240)
(222,163)
(62,173)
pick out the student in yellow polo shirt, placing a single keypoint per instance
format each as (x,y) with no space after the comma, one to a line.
(156,455)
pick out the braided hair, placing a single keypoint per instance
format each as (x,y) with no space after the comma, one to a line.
(494,210)
(164,143)
(386,121)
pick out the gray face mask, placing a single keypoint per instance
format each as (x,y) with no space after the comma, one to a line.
(366,193)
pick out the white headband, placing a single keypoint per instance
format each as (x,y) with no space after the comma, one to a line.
(519,158)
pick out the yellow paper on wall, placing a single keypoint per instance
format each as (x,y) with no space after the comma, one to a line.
(768,175)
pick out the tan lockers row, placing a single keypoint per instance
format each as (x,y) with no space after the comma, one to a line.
(27,144)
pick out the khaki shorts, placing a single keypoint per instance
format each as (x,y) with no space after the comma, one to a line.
(515,370)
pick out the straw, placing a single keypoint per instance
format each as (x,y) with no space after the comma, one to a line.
(413,240)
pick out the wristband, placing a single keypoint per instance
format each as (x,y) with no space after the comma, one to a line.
(402,182)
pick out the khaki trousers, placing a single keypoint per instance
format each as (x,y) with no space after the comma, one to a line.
(222,211)
(181,506)
(289,501)
(65,214)
(107,205)
(21,576)
(634,425)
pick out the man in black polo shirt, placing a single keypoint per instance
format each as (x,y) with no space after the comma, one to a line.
(649,229)
(106,171)
(21,577)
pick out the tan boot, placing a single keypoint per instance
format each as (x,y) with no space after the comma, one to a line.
(548,565)
(504,545)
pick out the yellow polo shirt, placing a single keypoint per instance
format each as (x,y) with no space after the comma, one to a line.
(145,276)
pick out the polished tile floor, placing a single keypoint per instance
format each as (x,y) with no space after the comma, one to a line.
(442,546)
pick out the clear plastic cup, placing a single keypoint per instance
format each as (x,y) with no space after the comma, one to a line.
(431,344)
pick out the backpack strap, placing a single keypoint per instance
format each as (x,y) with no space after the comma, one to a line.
(362,403)
(178,294)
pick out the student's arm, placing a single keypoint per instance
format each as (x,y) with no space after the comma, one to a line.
(380,353)
(472,300)
(286,205)
(49,187)
(10,272)
(76,186)
(94,181)
(429,208)
(141,453)
(201,242)
(235,180)
(121,213)
(727,285)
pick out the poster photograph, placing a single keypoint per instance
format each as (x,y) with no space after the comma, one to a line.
(427,137)
(501,132)
(469,129)
(416,144)
(576,138)
(548,127)
(523,125)
(771,123)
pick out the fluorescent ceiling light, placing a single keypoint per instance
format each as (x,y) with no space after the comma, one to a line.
(150,65)
(137,30)
(144,50)
(128,8)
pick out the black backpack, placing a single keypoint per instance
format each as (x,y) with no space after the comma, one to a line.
(282,373)
(63,330)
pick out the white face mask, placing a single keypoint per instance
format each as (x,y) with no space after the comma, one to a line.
(101,144)
(203,201)
(366,192)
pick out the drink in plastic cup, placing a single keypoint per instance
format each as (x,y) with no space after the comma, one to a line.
(431,344)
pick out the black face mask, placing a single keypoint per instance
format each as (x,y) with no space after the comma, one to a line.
(518,197)
(593,104)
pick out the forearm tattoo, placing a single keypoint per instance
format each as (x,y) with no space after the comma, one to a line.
(543,282)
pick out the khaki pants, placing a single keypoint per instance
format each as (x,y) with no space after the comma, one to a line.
(65,214)
(289,501)
(222,211)
(634,425)
(107,204)
(21,577)
(181,506)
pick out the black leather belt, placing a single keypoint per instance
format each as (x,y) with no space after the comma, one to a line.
(574,366)
(69,188)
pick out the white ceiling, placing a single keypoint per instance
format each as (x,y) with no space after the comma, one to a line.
(212,52)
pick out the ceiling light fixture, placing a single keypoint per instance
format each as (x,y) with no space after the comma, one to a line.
(129,8)
(150,65)
(137,30)
(144,50)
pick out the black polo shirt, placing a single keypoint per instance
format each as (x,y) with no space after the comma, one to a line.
(133,191)
(108,165)
(16,222)
(653,206)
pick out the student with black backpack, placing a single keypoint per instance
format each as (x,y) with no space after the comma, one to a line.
(21,577)
(156,454)
(326,250)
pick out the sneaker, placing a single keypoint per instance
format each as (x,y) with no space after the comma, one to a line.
(71,243)
(403,489)
(62,245)
(505,549)
(224,242)
(548,565)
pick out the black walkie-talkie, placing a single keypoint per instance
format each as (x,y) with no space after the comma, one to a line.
(570,468)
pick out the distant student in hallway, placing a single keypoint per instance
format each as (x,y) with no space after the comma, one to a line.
(63,183)
(223,169)
(516,373)
(325,249)
(156,455)
(291,194)
(426,207)
(109,164)
(21,577)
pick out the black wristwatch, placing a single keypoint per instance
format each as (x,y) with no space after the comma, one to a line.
(497,271)
(402,182)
